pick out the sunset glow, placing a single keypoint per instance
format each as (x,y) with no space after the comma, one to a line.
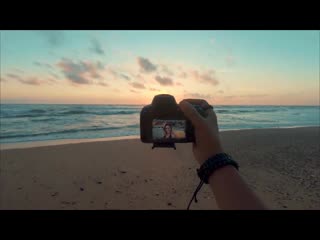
(130,67)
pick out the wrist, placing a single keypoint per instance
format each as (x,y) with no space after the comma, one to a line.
(223,171)
(213,151)
(215,163)
(213,166)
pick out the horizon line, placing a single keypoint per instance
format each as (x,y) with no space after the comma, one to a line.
(302,105)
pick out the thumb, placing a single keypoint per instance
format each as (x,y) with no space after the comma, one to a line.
(211,115)
(191,113)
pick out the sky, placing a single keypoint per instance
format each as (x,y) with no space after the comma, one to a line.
(130,67)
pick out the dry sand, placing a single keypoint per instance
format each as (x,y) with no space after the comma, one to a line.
(281,165)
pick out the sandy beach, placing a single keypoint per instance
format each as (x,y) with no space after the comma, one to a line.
(281,165)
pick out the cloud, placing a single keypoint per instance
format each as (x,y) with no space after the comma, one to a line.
(247,96)
(166,70)
(205,77)
(28,80)
(54,75)
(220,91)
(179,84)
(31,81)
(2,79)
(255,95)
(183,75)
(164,81)
(146,65)
(81,72)
(39,64)
(137,85)
(13,76)
(48,67)
(133,91)
(116,74)
(103,84)
(51,80)
(96,47)
(53,37)
(154,89)
(124,76)
(113,72)
(140,77)
(198,95)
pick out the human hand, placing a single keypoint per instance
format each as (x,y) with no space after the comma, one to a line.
(207,139)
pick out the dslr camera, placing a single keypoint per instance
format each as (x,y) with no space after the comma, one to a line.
(163,123)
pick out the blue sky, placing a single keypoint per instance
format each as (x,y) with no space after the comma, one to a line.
(225,67)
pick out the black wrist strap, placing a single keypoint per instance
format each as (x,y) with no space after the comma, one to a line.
(194,196)
(208,167)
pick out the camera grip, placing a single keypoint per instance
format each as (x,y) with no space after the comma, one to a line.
(200,105)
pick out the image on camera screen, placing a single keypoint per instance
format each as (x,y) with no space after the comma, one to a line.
(168,129)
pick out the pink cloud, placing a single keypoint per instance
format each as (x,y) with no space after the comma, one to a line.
(79,72)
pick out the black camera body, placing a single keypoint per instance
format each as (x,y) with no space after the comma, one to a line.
(163,123)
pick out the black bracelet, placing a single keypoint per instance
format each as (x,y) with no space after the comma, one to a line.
(213,163)
(208,167)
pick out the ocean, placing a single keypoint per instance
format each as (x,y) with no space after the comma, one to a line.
(39,122)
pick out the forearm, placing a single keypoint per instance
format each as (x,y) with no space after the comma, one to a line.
(231,192)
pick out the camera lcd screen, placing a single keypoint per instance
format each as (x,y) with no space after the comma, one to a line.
(163,130)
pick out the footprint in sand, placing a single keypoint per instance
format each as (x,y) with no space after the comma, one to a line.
(98,182)
(54,194)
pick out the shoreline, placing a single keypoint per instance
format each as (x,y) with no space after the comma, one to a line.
(144,104)
(33,144)
(56,142)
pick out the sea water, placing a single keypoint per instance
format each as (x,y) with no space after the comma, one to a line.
(37,122)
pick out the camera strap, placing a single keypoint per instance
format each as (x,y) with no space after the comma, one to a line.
(194,196)
(208,167)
